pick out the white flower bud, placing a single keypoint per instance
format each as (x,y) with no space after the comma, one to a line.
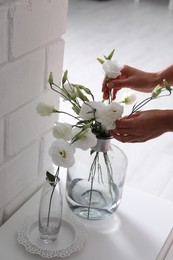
(129,98)
(62,131)
(112,69)
(156,91)
(44,109)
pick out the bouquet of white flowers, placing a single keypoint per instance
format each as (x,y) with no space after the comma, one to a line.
(93,119)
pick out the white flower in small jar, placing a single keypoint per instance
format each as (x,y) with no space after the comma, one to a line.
(62,131)
(44,109)
(129,98)
(112,69)
(84,139)
(62,153)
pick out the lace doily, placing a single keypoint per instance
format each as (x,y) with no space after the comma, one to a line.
(70,239)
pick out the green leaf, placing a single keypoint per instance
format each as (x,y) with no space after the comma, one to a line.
(80,123)
(100,60)
(50,177)
(50,80)
(86,90)
(76,109)
(85,127)
(81,95)
(111,55)
(79,86)
(65,77)
(92,151)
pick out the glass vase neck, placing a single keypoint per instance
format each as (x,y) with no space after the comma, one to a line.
(103,145)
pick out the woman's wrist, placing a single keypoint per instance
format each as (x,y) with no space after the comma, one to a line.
(158,78)
(153,79)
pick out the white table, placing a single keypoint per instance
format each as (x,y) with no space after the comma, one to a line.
(136,232)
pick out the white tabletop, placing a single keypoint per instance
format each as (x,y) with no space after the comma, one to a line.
(136,232)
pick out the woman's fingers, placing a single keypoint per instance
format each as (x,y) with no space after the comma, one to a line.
(125,138)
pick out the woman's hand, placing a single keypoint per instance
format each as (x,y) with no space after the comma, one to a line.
(143,126)
(131,78)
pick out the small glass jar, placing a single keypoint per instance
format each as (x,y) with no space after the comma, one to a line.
(50,211)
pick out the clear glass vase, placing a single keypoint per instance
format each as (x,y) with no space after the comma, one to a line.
(50,211)
(95,182)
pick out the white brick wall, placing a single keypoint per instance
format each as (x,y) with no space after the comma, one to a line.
(30,47)
(46,160)
(21,81)
(25,125)
(17,176)
(54,51)
(29,21)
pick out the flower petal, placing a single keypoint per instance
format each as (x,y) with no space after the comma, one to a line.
(62,153)
(85,139)
(112,69)
(62,131)
(44,109)
(129,98)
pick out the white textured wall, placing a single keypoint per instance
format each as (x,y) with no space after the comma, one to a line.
(30,47)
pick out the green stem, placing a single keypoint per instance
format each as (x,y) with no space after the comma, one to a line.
(62,112)
(50,203)
(51,196)
(136,107)
(91,178)
(93,167)
(66,97)
(109,172)
(90,198)
(144,102)
(76,101)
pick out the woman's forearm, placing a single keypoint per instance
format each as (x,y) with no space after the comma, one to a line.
(168,120)
(166,74)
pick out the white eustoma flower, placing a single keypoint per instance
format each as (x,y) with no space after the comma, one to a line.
(62,153)
(110,114)
(91,110)
(129,98)
(62,131)
(44,109)
(85,139)
(112,69)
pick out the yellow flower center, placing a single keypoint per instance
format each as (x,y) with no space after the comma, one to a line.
(63,154)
